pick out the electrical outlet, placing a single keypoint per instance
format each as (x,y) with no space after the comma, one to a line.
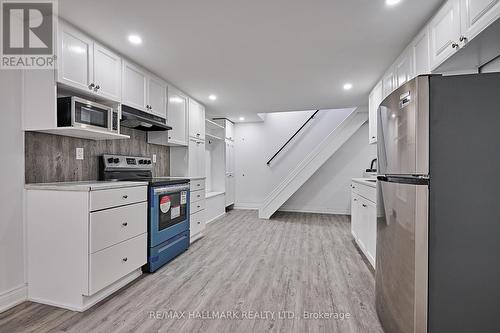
(154,158)
(79,153)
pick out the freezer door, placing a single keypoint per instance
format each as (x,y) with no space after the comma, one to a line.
(403,130)
(402,257)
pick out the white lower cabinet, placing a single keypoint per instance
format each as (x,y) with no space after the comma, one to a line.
(84,244)
(364,219)
(197,220)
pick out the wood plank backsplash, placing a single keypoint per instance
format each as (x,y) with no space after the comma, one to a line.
(52,158)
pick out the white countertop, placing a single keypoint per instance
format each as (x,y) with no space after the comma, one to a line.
(85,186)
(180,177)
(372,182)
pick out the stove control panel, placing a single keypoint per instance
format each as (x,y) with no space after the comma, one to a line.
(127,162)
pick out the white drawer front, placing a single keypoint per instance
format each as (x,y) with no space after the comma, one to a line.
(197,196)
(196,223)
(117,197)
(197,184)
(111,226)
(197,206)
(113,263)
(365,191)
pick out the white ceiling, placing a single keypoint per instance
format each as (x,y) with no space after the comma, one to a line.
(258,55)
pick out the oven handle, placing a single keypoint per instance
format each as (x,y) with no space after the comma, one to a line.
(170,189)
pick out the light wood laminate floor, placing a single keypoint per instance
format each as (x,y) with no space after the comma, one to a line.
(294,262)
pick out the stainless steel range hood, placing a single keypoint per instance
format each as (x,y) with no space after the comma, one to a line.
(140,120)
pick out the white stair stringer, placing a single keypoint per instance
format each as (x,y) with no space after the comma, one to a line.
(309,165)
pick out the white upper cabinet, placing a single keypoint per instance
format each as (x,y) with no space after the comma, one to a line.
(107,73)
(388,83)
(229,129)
(420,50)
(477,15)
(444,33)
(75,58)
(157,96)
(134,86)
(177,116)
(143,91)
(196,120)
(374,102)
(403,68)
(86,65)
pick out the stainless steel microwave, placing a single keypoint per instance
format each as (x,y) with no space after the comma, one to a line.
(77,112)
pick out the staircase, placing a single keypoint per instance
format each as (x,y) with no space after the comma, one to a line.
(312,162)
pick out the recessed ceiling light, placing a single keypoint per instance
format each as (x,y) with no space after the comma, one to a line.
(242,118)
(212,97)
(347,86)
(392,2)
(135,39)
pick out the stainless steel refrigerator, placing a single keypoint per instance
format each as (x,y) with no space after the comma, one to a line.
(438,227)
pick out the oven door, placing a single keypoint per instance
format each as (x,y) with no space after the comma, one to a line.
(169,212)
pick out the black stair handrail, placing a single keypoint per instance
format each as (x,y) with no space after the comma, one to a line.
(301,127)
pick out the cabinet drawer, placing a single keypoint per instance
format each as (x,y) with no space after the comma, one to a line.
(197,206)
(197,223)
(113,263)
(365,191)
(117,197)
(197,184)
(111,226)
(197,196)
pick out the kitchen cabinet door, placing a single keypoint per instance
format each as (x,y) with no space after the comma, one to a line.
(134,86)
(196,120)
(230,189)
(444,33)
(476,15)
(107,73)
(177,116)
(403,68)
(157,96)
(420,48)
(388,83)
(229,130)
(355,217)
(374,101)
(370,227)
(75,58)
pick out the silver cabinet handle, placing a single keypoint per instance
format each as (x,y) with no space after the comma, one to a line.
(198,196)
(125,196)
(199,222)
(198,206)
(455,45)
(198,184)
(91,86)
(463,39)
(198,134)
(124,224)
(125,259)
(355,199)
(364,205)
(98,87)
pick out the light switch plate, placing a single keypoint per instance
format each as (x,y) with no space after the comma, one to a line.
(79,153)
(154,158)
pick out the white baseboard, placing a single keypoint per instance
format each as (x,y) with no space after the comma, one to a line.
(13,297)
(246,206)
(215,218)
(314,210)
